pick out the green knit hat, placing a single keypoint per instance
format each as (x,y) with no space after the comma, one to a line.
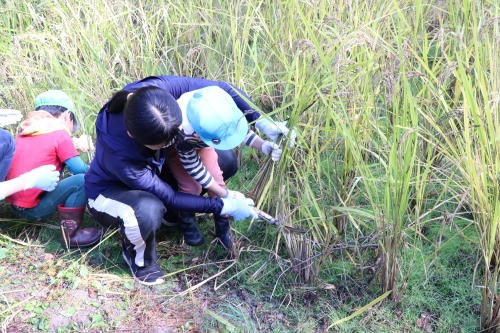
(55,98)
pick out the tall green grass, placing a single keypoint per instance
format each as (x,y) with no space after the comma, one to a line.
(395,104)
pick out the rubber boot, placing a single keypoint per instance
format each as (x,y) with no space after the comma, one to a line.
(190,229)
(223,230)
(71,219)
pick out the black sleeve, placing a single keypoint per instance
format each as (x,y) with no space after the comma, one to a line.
(139,177)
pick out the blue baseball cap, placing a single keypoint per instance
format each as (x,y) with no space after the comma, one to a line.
(216,118)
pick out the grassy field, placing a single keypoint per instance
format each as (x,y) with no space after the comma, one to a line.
(389,201)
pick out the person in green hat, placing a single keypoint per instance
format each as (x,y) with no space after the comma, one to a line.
(44,177)
(44,139)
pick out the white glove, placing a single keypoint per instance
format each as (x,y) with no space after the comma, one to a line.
(83,143)
(234,195)
(269,147)
(240,209)
(9,117)
(274,129)
(44,178)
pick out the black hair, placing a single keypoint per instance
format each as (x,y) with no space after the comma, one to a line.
(56,110)
(152,115)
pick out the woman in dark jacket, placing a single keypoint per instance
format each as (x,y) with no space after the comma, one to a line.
(125,183)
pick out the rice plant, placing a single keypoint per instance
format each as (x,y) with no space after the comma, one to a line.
(395,104)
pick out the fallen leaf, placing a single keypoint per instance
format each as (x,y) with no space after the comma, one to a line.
(328,286)
(91,293)
(204,305)
(96,284)
(49,256)
(70,312)
(129,285)
(424,322)
(84,271)
(52,271)
(96,318)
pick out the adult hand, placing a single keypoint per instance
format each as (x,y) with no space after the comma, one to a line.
(240,209)
(9,117)
(270,148)
(234,195)
(274,129)
(83,143)
(44,178)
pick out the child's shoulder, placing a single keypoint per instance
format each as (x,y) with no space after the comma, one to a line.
(190,142)
(58,136)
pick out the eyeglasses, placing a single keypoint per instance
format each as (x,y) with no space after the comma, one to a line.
(158,147)
(171,142)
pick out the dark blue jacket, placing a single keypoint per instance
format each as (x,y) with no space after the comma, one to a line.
(121,162)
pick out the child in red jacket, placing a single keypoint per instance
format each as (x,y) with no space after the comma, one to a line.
(44,177)
(44,138)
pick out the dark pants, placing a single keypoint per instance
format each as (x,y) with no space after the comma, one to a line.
(139,214)
(228,163)
(69,191)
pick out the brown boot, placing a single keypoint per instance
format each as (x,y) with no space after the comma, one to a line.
(71,219)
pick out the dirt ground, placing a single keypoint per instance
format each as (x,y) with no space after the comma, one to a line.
(42,292)
(56,291)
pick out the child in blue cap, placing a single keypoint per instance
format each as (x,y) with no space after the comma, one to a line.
(212,124)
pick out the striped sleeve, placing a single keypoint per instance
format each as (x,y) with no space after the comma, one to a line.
(250,138)
(191,161)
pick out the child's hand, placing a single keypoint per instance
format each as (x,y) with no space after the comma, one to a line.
(9,117)
(274,129)
(270,148)
(83,143)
